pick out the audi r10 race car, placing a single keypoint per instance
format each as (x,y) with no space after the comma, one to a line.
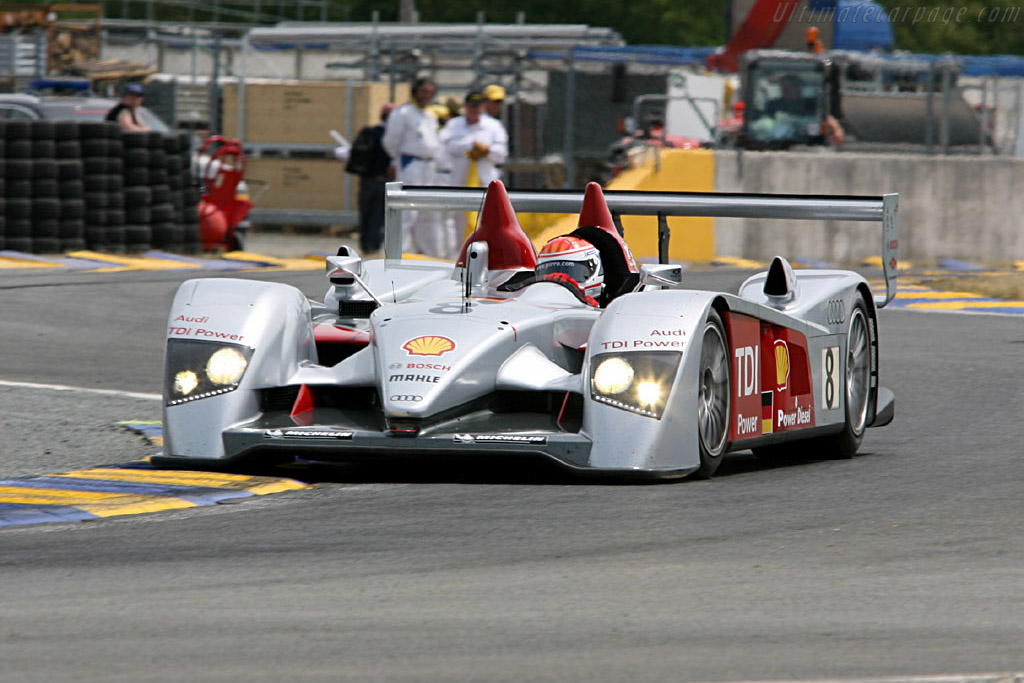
(424,359)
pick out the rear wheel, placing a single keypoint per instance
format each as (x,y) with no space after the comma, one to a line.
(714,395)
(857,383)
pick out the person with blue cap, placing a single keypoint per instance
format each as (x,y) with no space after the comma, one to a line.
(124,112)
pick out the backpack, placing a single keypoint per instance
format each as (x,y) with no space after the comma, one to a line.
(361,158)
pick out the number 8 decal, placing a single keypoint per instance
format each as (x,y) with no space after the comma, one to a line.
(829,377)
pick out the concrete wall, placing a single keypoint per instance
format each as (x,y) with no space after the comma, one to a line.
(950,207)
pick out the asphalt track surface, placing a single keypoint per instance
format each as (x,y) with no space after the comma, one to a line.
(906,561)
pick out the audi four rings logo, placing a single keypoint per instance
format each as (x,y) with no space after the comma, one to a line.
(836,311)
(407,398)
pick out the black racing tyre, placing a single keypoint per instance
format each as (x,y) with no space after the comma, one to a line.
(95,237)
(22,244)
(19,227)
(158,159)
(136,177)
(19,148)
(95,183)
(89,130)
(44,168)
(43,130)
(157,176)
(168,236)
(114,131)
(138,196)
(138,236)
(172,144)
(65,131)
(155,140)
(49,227)
(176,184)
(141,214)
(18,130)
(856,380)
(72,244)
(115,148)
(19,189)
(115,200)
(134,140)
(69,170)
(45,245)
(19,169)
(173,164)
(95,218)
(93,166)
(115,238)
(135,157)
(72,208)
(162,213)
(192,235)
(115,183)
(161,194)
(44,149)
(95,147)
(116,217)
(115,165)
(68,149)
(71,189)
(714,396)
(72,229)
(45,207)
(45,187)
(18,209)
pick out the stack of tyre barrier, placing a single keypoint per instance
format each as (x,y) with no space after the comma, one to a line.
(70,186)
(66,186)
(138,195)
(104,197)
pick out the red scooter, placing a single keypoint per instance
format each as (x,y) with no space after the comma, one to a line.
(225,202)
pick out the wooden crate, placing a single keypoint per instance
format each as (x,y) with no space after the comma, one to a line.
(300,184)
(303,112)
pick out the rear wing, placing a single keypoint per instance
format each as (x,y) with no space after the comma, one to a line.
(399,198)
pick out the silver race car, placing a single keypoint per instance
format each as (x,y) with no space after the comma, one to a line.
(484,359)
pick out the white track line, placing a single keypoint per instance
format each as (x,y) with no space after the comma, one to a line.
(949,678)
(82,390)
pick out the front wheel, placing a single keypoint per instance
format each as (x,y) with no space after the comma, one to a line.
(714,396)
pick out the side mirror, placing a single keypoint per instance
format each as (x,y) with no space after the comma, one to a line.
(350,262)
(477,260)
(661,275)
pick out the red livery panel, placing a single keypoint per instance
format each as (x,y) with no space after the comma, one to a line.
(771,378)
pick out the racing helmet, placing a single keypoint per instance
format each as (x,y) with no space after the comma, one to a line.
(575,258)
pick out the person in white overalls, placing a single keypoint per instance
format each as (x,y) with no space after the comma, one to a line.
(476,145)
(411,139)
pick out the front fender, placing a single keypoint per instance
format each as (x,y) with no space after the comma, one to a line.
(272,319)
(666,320)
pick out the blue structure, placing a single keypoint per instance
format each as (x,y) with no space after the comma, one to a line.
(862,25)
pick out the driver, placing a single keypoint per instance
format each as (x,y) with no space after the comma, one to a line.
(573,261)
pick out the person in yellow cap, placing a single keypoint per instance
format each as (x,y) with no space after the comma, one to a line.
(494,96)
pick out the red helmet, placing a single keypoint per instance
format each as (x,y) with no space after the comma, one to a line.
(576,259)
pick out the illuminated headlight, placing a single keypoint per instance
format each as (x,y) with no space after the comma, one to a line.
(200,369)
(613,376)
(637,382)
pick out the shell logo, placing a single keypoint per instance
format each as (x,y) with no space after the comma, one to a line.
(429,346)
(781,364)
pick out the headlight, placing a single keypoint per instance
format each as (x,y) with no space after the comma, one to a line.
(637,382)
(199,369)
(613,376)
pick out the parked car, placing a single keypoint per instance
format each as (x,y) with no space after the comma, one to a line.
(29,107)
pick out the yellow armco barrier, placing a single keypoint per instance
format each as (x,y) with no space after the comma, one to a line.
(682,170)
